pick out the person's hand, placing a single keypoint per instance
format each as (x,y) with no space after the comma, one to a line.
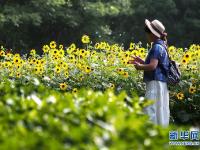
(137,65)
(138,59)
(131,61)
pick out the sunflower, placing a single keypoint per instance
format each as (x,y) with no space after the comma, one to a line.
(184,61)
(16,60)
(21,61)
(61,47)
(180,95)
(66,73)
(57,69)
(73,46)
(194,67)
(85,39)
(42,61)
(18,75)
(69,51)
(81,78)
(41,70)
(87,53)
(97,46)
(120,70)
(61,53)
(56,57)
(107,47)
(125,74)
(82,51)
(9,56)
(192,89)
(45,48)
(93,53)
(116,48)
(17,55)
(34,61)
(122,59)
(81,56)
(53,44)
(111,62)
(112,86)
(134,52)
(88,69)
(126,55)
(197,53)
(75,52)
(194,81)
(103,45)
(33,52)
(2,53)
(142,51)
(18,66)
(7,64)
(38,62)
(187,56)
(132,46)
(36,70)
(125,62)
(71,57)
(171,49)
(74,91)
(63,86)
(143,56)
(65,66)
(55,51)
(194,59)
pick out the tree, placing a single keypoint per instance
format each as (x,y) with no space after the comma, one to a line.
(29,24)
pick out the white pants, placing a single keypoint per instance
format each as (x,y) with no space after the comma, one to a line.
(158,112)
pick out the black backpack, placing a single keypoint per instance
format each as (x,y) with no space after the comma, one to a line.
(173,73)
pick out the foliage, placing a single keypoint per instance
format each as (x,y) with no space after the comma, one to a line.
(34,116)
(102,66)
(28,24)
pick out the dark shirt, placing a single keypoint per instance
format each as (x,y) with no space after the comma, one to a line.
(158,51)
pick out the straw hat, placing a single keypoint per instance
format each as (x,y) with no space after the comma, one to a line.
(156,27)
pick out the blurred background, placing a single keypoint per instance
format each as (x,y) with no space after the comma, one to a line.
(26,24)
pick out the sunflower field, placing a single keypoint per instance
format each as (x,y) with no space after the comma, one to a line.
(89,97)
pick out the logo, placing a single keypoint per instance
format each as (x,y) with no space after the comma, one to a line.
(184,138)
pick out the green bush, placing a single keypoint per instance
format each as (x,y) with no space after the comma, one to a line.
(36,117)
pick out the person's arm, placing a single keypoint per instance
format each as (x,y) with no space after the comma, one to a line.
(147,67)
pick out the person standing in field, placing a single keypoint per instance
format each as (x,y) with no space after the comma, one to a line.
(155,73)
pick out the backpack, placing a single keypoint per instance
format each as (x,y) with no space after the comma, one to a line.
(173,72)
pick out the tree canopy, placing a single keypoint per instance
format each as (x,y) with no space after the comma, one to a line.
(28,24)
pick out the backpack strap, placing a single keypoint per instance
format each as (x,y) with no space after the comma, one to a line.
(165,46)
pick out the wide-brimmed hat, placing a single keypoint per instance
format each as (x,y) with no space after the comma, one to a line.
(156,27)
